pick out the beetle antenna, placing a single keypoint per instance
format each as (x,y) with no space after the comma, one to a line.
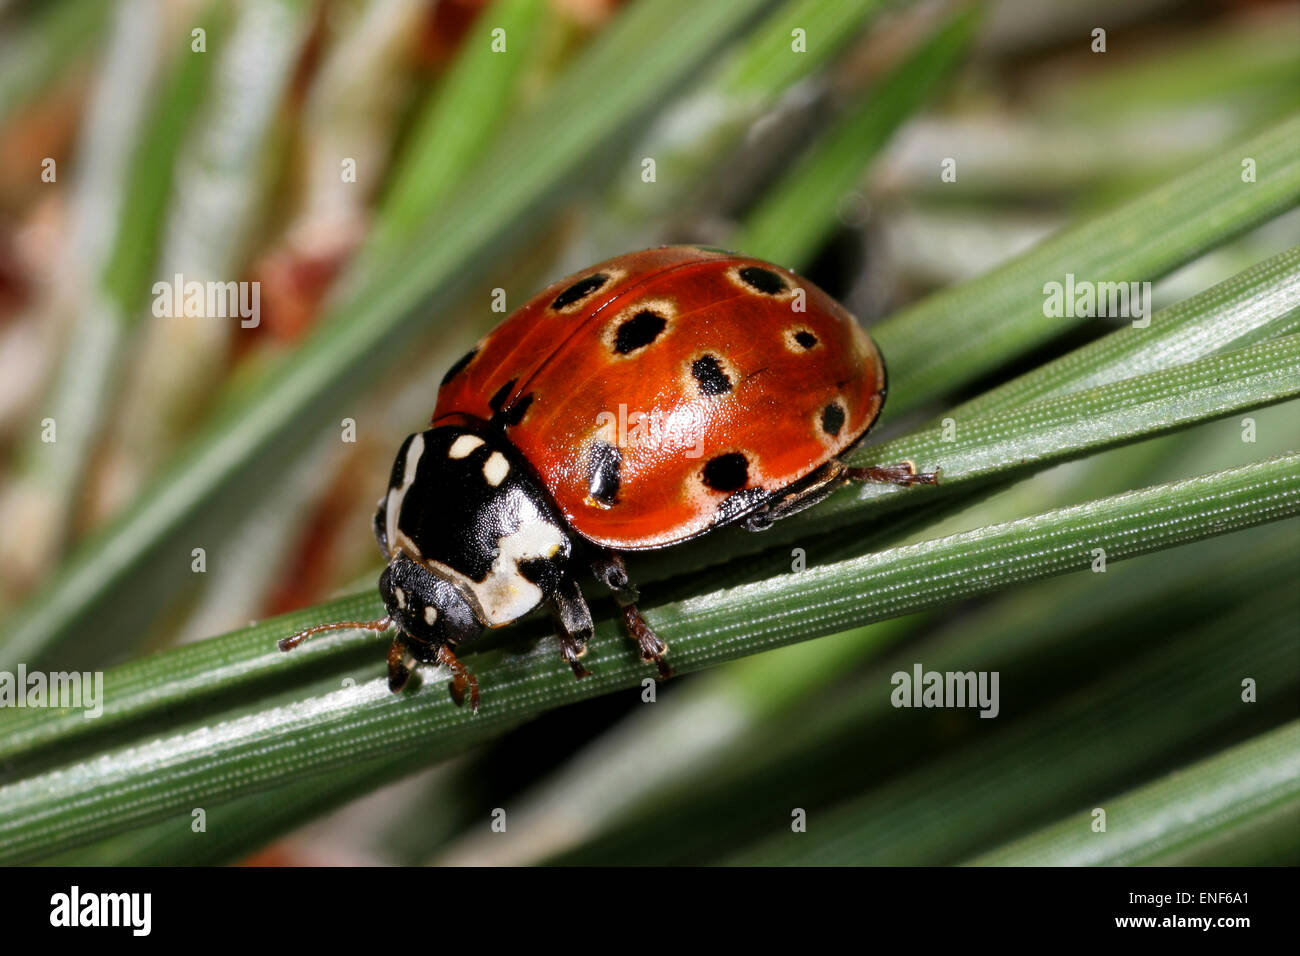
(289,643)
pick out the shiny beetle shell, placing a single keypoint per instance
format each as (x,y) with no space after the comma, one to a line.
(662,393)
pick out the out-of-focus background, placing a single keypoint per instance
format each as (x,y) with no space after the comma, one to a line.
(371,177)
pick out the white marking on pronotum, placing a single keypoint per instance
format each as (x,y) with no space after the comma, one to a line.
(396,495)
(401,597)
(505,594)
(496,468)
(430,615)
(463,445)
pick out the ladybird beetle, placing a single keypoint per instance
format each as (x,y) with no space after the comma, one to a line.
(632,406)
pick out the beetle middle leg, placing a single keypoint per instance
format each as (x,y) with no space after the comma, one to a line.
(612,572)
(403,658)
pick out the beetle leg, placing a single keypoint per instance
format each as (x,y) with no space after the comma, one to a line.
(612,572)
(810,490)
(904,473)
(461,678)
(574,624)
(647,641)
(831,477)
(400,663)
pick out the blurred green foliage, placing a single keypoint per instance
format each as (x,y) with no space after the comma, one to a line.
(1161,686)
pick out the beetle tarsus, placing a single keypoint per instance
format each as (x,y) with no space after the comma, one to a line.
(400,662)
(652,648)
(570,651)
(461,679)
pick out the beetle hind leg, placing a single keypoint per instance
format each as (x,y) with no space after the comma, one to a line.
(830,478)
(808,492)
(904,473)
(612,572)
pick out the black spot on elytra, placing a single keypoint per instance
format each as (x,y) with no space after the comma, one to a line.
(502,393)
(764,280)
(459,365)
(805,338)
(713,380)
(726,472)
(514,414)
(603,472)
(638,332)
(832,418)
(579,290)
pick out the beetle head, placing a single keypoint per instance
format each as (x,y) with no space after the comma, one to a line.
(426,607)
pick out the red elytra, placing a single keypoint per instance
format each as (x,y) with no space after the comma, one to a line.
(667,360)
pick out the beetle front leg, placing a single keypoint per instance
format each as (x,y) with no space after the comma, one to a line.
(612,572)
(400,664)
(461,678)
(574,624)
